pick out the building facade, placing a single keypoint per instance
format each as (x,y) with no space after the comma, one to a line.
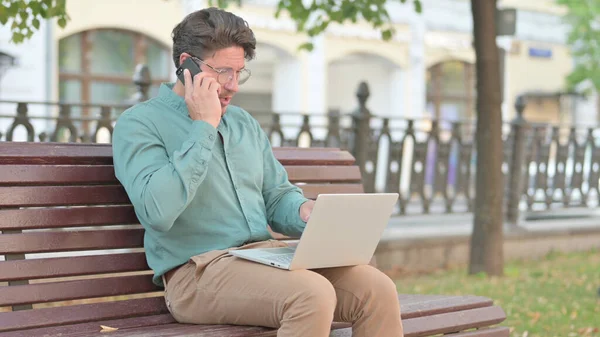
(427,71)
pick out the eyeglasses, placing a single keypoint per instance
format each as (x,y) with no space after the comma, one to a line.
(227,75)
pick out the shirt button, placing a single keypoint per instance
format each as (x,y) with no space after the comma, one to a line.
(211,137)
(202,162)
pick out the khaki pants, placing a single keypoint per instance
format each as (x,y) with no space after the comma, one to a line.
(217,288)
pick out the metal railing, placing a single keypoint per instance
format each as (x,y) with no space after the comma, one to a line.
(430,163)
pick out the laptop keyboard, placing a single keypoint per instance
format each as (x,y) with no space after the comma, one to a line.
(282,258)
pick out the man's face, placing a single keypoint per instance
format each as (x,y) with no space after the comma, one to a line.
(229,60)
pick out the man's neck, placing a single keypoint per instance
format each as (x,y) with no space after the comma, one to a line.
(179,88)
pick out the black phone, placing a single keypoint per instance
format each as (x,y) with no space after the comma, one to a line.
(189,64)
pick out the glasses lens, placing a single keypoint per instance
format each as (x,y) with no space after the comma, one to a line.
(244,76)
(228,76)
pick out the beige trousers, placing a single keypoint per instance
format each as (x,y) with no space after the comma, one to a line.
(217,288)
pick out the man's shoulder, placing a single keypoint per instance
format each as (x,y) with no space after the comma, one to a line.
(141,110)
(147,113)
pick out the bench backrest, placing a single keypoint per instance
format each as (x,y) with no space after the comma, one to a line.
(70,235)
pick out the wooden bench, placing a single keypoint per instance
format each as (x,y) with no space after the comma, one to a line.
(75,261)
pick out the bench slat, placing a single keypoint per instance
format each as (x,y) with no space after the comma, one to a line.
(420,305)
(55,153)
(323,173)
(45,242)
(75,290)
(189,330)
(23,196)
(72,266)
(311,191)
(431,325)
(485,332)
(86,195)
(316,156)
(38,218)
(24,153)
(431,306)
(148,325)
(57,174)
(104,174)
(87,328)
(46,317)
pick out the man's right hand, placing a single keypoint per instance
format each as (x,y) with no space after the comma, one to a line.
(202,97)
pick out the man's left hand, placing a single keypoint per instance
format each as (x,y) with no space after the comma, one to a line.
(306,209)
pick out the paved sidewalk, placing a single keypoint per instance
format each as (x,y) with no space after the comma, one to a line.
(440,225)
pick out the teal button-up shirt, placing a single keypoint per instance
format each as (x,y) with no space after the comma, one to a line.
(196,188)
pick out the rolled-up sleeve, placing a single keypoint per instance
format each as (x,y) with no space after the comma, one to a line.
(160,185)
(282,198)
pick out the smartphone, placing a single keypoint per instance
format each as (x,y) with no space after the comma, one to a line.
(188,64)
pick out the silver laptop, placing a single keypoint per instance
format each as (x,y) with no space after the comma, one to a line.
(343,230)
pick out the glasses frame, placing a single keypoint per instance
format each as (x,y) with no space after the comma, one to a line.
(224,71)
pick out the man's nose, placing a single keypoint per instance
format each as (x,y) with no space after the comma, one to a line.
(232,85)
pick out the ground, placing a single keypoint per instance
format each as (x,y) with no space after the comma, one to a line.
(557,296)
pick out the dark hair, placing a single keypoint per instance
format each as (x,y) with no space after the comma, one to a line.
(203,32)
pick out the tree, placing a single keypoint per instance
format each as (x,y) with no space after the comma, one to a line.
(313,19)
(487,239)
(583,17)
(25,16)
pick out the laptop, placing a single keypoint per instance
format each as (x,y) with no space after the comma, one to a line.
(343,230)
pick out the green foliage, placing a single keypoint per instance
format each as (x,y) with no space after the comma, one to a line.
(24,16)
(584,38)
(314,17)
(311,18)
(555,296)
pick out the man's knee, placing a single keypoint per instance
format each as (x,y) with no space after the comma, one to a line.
(315,294)
(374,285)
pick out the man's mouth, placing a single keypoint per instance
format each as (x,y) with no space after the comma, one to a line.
(225,100)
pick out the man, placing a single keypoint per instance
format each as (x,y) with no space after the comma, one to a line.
(203,179)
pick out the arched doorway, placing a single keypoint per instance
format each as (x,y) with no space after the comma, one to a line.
(382,75)
(96,66)
(385,79)
(451,96)
(451,90)
(269,89)
(275,87)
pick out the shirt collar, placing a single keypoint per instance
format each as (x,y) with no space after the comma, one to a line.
(167,95)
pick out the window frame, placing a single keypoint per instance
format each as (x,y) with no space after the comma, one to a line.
(86,77)
(436,95)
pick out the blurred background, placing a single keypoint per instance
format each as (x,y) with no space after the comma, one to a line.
(405,108)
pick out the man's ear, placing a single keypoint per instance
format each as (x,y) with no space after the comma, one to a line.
(183,57)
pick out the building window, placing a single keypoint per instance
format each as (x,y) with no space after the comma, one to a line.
(451,90)
(96,66)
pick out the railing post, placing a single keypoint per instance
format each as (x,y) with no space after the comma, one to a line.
(64,121)
(334,138)
(304,129)
(104,122)
(517,167)
(142,82)
(21,119)
(361,128)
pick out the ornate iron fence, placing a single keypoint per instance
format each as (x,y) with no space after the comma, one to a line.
(430,163)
